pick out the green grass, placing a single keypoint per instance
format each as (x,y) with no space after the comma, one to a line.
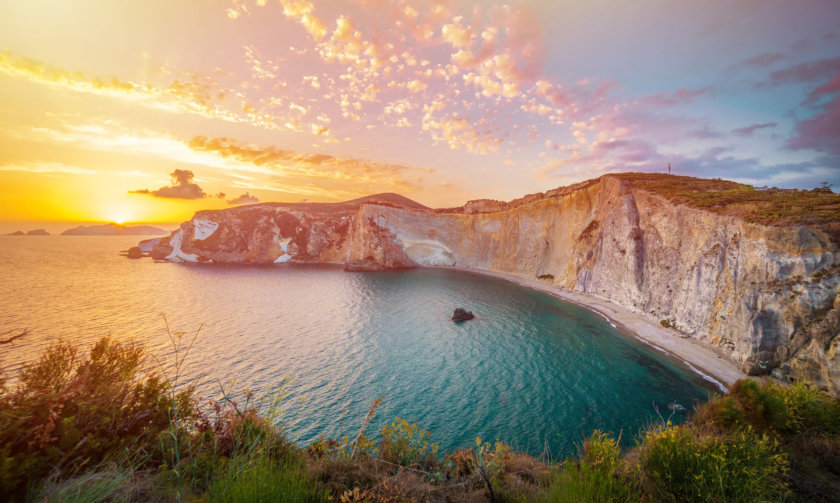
(597,477)
(107,484)
(262,479)
(769,207)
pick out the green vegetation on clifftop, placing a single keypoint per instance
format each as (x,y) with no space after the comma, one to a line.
(769,206)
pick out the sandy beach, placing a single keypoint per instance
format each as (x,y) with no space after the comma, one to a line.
(714,367)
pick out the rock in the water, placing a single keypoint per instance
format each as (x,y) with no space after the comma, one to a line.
(134,252)
(462,314)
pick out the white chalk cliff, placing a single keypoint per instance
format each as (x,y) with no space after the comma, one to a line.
(763,295)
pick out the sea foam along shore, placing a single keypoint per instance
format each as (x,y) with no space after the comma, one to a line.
(715,368)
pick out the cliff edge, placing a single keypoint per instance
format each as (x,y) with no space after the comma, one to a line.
(753,273)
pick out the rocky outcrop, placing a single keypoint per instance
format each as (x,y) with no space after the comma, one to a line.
(763,295)
(460,314)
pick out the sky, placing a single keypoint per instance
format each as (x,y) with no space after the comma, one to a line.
(149,111)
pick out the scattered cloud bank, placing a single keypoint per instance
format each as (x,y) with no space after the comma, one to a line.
(313,172)
(450,87)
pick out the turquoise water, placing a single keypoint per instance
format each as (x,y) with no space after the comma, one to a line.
(532,370)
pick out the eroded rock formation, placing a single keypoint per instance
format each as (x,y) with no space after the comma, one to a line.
(765,295)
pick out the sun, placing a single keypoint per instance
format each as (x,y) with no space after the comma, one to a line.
(119,217)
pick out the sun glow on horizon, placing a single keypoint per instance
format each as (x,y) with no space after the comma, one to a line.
(122,213)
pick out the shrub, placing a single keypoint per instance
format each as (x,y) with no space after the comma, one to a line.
(595,478)
(489,462)
(69,413)
(807,409)
(785,410)
(406,444)
(684,465)
(227,434)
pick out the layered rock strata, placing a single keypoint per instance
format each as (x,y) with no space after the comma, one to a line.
(763,295)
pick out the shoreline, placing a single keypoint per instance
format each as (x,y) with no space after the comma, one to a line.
(714,368)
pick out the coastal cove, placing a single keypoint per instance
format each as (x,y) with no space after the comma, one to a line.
(715,368)
(532,370)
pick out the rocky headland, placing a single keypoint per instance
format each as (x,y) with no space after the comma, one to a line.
(752,274)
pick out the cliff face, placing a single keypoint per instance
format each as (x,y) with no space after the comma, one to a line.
(764,295)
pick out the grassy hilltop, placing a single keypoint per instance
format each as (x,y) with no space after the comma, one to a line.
(768,206)
(95,427)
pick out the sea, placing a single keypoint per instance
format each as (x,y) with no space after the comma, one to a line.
(531,370)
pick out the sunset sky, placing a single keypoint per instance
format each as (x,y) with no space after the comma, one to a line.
(150,110)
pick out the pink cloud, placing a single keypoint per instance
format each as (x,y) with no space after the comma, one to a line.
(523,38)
(484,65)
(553,93)
(805,72)
(832,87)
(456,34)
(705,133)
(752,128)
(820,132)
(681,96)
(762,60)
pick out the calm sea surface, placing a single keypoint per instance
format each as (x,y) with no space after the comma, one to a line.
(532,370)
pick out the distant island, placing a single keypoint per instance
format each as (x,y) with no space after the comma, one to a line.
(114,230)
(35,232)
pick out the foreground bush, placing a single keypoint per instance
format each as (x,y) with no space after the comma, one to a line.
(597,477)
(685,465)
(96,427)
(71,412)
(805,421)
(785,410)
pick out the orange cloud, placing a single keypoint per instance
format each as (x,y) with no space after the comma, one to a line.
(321,174)
(189,93)
(185,95)
(301,11)
(46,168)
(456,34)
